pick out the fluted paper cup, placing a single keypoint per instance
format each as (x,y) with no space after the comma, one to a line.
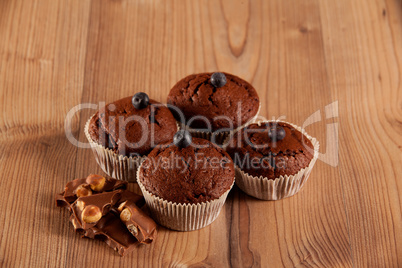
(220,136)
(116,166)
(280,187)
(183,217)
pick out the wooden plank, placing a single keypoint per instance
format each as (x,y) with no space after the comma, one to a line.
(307,234)
(42,48)
(300,56)
(363,48)
(106,66)
(41,71)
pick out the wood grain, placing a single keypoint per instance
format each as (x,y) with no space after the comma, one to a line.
(301,57)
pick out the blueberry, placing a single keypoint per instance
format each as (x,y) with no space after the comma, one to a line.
(140,100)
(218,79)
(182,139)
(276,133)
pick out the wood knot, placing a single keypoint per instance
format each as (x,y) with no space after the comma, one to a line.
(237,20)
(303,29)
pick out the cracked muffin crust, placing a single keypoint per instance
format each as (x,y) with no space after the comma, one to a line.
(198,173)
(195,95)
(131,132)
(253,151)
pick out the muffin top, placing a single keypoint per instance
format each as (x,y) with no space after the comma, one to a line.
(259,153)
(198,173)
(129,131)
(195,95)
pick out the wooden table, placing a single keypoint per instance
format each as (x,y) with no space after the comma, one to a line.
(339,62)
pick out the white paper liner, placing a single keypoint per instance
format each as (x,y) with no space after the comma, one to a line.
(219,136)
(183,217)
(281,187)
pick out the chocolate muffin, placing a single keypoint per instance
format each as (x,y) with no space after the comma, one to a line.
(198,173)
(123,132)
(140,129)
(259,155)
(185,184)
(272,159)
(226,96)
